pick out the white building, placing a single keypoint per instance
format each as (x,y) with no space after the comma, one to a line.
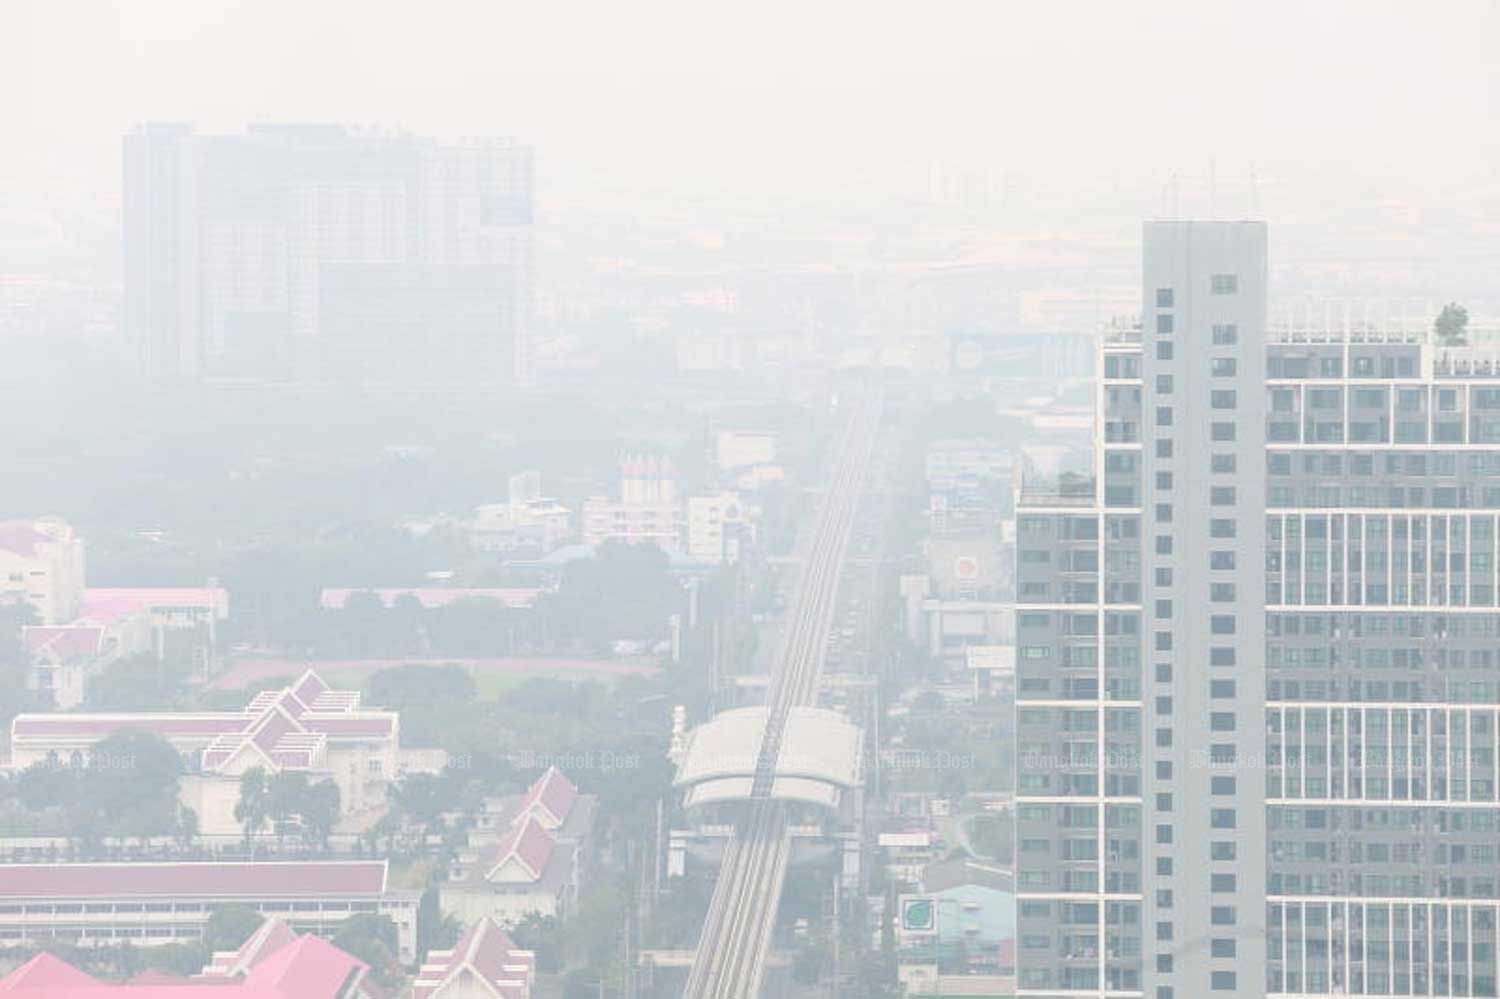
(715,526)
(145,903)
(307,727)
(41,563)
(528,853)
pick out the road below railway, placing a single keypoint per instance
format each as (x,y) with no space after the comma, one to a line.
(736,939)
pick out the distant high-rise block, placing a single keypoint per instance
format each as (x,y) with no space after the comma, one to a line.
(310,253)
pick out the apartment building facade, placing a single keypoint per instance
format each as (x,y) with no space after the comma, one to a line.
(1257,684)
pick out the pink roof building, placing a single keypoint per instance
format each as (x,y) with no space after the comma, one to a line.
(158,902)
(306,727)
(528,854)
(484,962)
(282,965)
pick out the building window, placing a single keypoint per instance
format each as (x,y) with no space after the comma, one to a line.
(1164,323)
(1223,981)
(1225,284)
(1221,785)
(1163,384)
(1221,818)
(1163,416)
(1164,350)
(1164,448)
(1222,367)
(1223,463)
(1222,431)
(1226,335)
(1164,298)
(1222,399)
(1221,624)
(1222,495)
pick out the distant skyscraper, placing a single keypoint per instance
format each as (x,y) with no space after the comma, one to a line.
(1258,687)
(310,253)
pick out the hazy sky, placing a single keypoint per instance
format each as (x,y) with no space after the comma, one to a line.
(1398,101)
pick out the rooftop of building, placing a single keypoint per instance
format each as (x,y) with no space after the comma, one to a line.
(194,879)
(274,963)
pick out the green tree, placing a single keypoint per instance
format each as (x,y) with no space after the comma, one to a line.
(253,810)
(372,938)
(229,926)
(542,935)
(138,683)
(16,695)
(1451,325)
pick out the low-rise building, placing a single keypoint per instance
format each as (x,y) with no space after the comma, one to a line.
(484,964)
(274,963)
(717,526)
(41,564)
(528,853)
(308,727)
(106,904)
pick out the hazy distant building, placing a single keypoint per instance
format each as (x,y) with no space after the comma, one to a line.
(314,253)
(41,564)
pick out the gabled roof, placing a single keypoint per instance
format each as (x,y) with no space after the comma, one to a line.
(22,538)
(62,643)
(484,954)
(44,972)
(309,967)
(279,965)
(271,936)
(285,728)
(549,799)
(528,846)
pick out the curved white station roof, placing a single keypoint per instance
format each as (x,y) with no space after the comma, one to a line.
(820,756)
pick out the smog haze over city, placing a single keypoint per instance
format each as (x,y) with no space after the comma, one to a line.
(688,500)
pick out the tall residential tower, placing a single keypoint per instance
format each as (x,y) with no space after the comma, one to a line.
(1258,675)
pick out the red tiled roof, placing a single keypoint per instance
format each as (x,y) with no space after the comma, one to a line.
(44,972)
(554,792)
(530,843)
(309,687)
(193,880)
(489,953)
(98,726)
(21,537)
(104,604)
(64,642)
(370,726)
(293,967)
(309,967)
